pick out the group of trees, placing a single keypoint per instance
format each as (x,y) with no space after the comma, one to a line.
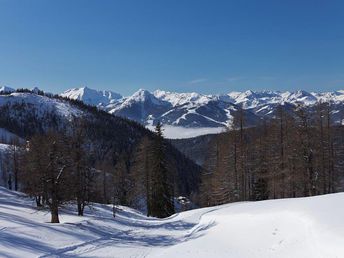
(93,157)
(10,160)
(101,158)
(57,167)
(153,177)
(297,153)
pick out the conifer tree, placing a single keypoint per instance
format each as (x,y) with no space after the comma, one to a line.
(162,189)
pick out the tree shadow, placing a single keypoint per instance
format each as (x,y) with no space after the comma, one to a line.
(98,230)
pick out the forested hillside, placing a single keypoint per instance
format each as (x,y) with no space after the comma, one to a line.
(65,150)
(294,154)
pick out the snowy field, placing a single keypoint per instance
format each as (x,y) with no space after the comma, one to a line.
(304,227)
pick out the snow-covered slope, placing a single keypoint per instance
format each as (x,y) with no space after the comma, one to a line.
(6,89)
(251,99)
(92,97)
(183,114)
(185,110)
(41,103)
(298,228)
(141,107)
(177,99)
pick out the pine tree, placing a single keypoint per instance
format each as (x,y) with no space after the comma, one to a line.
(162,203)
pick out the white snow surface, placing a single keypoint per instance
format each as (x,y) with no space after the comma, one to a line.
(139,96)
(4,147)
(6,89)
(42,103)
(92,97)
(195,110)
(177,99)
(298,228)
(248,99)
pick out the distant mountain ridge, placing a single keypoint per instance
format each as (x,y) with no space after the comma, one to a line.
(92,97)
(195,110)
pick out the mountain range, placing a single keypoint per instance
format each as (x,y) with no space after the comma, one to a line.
(194,110)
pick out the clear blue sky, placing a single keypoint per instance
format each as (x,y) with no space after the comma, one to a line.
(208,46)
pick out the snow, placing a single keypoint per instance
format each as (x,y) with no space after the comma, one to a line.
(141,96)
(252,99)
(42,103)
(180,132)
(92,97)
(248,99)
(178,99)
(298,228)
(195,110)
(6,89)
(4,147)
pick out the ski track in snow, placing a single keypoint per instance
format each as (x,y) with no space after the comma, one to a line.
(298,228)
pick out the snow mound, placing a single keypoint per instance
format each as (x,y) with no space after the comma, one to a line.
(303,227)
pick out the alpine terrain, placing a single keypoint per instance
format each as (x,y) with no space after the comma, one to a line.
(186,115)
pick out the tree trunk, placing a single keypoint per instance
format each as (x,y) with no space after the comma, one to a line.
(38,201)
(55,214)
(15,168)
(104,187)
(15,181)
(9,182)
(80,208)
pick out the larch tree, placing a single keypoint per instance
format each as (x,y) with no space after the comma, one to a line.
(48,160)
(81,169)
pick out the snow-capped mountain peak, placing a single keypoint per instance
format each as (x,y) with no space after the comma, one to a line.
(302,97)
(177,99)
(195,110)
(92,97)
(141,95)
